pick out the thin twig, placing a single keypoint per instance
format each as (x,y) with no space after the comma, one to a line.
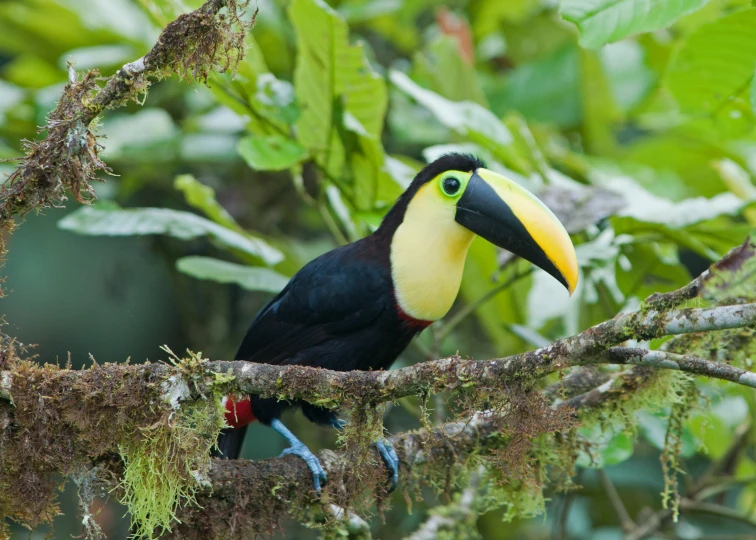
(678,362)
(626,521)
(689,505)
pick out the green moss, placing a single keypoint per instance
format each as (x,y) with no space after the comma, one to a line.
(656,390)
(63,420)
(167,463)
(673,443)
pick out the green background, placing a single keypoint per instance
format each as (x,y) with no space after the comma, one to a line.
(634,120)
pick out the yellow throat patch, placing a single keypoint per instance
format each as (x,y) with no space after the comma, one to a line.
(428,254)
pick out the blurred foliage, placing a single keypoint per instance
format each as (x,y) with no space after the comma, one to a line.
(635,121)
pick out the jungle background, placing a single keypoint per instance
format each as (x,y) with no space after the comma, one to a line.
(634,121)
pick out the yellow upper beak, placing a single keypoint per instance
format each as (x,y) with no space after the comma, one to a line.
(509,216)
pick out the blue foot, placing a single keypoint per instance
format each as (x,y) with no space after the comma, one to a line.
(338,423)
(297,448)
(391,460)
(318,474)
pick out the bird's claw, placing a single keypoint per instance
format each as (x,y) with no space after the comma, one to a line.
(338,423)
(391,460)
(385,449)
(318,473)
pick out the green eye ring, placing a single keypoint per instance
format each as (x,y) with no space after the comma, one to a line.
(451,185)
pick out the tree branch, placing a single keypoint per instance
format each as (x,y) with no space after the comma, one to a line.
(267,491)
(680,362)
(731,262)
(594,345)
(67,158)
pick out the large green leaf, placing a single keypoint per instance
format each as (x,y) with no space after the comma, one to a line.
(202,198)
(712,71)
(182,225)
(465,117)
(343,101)
(547,89)
(642,271)
(607,446)
(644,206)
(252,278)
(148,135)
(604,21)
(441,67)
(271,153)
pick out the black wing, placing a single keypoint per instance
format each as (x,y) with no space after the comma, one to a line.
(336,294)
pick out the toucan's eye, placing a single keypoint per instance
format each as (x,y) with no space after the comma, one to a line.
(450,185)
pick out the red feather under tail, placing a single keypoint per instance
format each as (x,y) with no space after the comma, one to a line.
(238,413)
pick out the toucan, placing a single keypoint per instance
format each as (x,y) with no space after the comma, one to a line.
(358,306)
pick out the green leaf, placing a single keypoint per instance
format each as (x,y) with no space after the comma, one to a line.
(31,71)
(647,231)
(489,15)
(10,97)
(644,206)
(252,278)
(629,76)
(182,225)
(618,450)
(642,271)
(465,117)
(604,21)
(99,56)
(713,69)
(271,153)
(607,447)
(713,432)
(337,89)
(275,98)
(202,197)
(752,94)
(148,135)
(441,67)
(547,89)
(600,111)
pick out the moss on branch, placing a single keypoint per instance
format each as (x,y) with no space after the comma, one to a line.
(66,160)
(156,422)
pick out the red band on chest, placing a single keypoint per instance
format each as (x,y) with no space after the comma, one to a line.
(409,320)
(239,413)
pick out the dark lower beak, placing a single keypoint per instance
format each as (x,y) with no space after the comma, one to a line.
(509,216)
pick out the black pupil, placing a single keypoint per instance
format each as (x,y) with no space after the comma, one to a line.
(451,185)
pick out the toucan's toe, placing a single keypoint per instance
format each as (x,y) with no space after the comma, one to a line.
(319,477)
(391,459)
(338,423)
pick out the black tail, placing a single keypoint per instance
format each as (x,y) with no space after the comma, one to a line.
(230,443)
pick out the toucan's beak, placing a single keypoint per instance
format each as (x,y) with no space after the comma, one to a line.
(509,216)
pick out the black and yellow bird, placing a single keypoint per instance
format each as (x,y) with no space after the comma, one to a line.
(359,306)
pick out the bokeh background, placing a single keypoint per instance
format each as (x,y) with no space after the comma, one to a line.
(644,146)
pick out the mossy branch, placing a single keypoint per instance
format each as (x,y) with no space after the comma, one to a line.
(67,158)
(420,452)
(592,346)
(160,420)
(259,495)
